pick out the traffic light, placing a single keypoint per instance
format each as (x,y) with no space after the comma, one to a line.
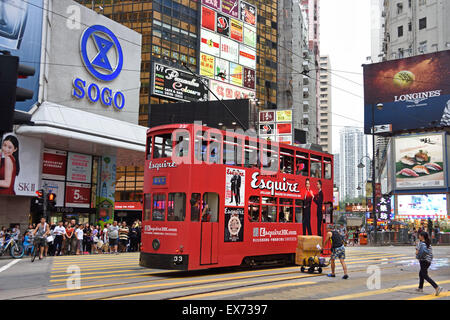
(51,201)
(38,202)
(10,71)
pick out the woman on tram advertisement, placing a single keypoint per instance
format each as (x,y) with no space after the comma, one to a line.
(307,201)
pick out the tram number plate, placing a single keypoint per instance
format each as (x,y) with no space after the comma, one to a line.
(159,181)
(178,259)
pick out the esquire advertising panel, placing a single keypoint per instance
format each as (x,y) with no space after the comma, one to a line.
(420,161)
(415,92)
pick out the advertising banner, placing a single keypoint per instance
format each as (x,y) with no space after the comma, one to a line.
(106,199)
(284,115)
(20,165)
(236,30)
(20,34)
(236,74)
(284,139)
(419,162)
(234,187)
(206,65)
(268,128)
(234,225)
(248,13)
(422,206)
(222,70)
(267,116)
(414,92)
(212,3)
(54,164)
(223,25)
(175,84)
(284,128)
(56,187)
(208,18)
(249,35)
(231,8)
(78,195)
(228,92)
(247,57)
(79,167)
(229,50)
(210,42)
(249,78)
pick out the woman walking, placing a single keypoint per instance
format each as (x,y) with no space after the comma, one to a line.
(424,254)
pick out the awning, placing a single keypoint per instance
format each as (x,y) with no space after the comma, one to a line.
(75,130)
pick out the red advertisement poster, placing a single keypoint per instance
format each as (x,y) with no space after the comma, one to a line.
(208,18)
(78,195)
(54,164)
(249,78)
(284,128)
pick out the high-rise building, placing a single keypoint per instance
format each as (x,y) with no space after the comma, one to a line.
(376,30)
(415,27)
(295,86)
(337,170)
(353,148)
(325,122)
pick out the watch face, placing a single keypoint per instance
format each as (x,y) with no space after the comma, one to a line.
(234,226)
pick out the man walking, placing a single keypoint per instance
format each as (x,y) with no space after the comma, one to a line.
(123,237)
(337,250)
(113,234)
(60,235)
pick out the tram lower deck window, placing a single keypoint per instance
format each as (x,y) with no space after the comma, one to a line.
(176,207)
(159,207)
(269,214)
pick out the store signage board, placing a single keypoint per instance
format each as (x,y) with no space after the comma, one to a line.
(222,71)
(207,65)
(78,195)
(175,84)
(249,78)
(210,42)
(54,164)
(236,74)
(231,8)
(208,18)
(229,50)
(249,35)
(79,167)
(248,13)
(247,56)
(215,4)
(227,91)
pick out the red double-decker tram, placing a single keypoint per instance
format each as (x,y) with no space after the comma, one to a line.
(216,198)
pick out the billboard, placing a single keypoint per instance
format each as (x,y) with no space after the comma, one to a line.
(175,84)
(79,167)
(414,91)
(231,8)
(54,164)
(276,125)
(420,161)
(208,18)
(228,92)
(422,206)
(210,42)
(20,34)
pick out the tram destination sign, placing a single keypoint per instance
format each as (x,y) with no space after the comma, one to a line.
(175,84)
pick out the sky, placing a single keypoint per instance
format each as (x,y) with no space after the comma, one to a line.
(345,35)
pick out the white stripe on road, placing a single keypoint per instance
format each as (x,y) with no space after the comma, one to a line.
(9,265)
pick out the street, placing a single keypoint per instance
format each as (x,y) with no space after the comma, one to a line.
(112,277)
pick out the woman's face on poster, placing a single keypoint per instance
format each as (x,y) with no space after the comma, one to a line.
(307,184)
(8,148)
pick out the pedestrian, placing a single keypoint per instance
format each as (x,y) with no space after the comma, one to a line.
(27,243)
(123,236)
(68,238)
(337,250)
(424,254)
(50,249)
(87,241)
(79,235)
(113,235)
(73,239)
(105,239)
(16,233)
(436,233)
(60,234)
(40,233)
(134,237)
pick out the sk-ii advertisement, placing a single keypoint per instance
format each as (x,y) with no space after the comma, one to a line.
(97,69)
(20,34)
(415,92)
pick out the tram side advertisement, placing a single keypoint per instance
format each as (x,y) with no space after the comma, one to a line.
(235,187)
(234,225)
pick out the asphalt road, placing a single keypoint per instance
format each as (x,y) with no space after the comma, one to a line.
(380,273)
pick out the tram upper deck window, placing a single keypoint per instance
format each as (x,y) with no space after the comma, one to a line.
(327,168)
(287,161)
(215,145)
(159,207)
(270,158)
(176,207)
(251,154)
(149,148)
(232,151)
(182,144)
(162,146)
(147,206)
(302,163)
(196,206)
(316,166)
(201,146)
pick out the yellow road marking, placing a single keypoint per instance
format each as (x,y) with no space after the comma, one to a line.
(432,296)
(108,276)
(125,266)
(376,292)
(99,266)
(98,262)
(97,273)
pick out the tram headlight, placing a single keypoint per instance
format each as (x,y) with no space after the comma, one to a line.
(156,244)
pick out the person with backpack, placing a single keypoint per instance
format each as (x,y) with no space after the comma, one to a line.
(337,250)
(424,254)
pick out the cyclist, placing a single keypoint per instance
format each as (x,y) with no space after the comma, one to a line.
(40,233)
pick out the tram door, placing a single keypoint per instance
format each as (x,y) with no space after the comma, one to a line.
(210,229)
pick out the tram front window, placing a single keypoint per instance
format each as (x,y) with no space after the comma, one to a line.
(162,146)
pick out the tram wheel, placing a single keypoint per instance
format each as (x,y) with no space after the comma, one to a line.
(319,269)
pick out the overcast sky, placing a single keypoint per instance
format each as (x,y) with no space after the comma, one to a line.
(345,37)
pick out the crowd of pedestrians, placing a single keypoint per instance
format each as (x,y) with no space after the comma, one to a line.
(71,238)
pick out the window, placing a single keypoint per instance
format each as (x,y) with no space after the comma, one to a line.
(159,207)
(270,158)
(149,148)
(302,164)
(163,146)
(399,8)
(298,211)
(327,168)
(269,214)
(210,212)
(285,210)
(251,154)
(287,161)
(232,151)
(253,209)
(176,207)
(201,146)
(182,144)
(400,31)
(214,147)
(316,166)
(196,206)
(147,206)
(423,23)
